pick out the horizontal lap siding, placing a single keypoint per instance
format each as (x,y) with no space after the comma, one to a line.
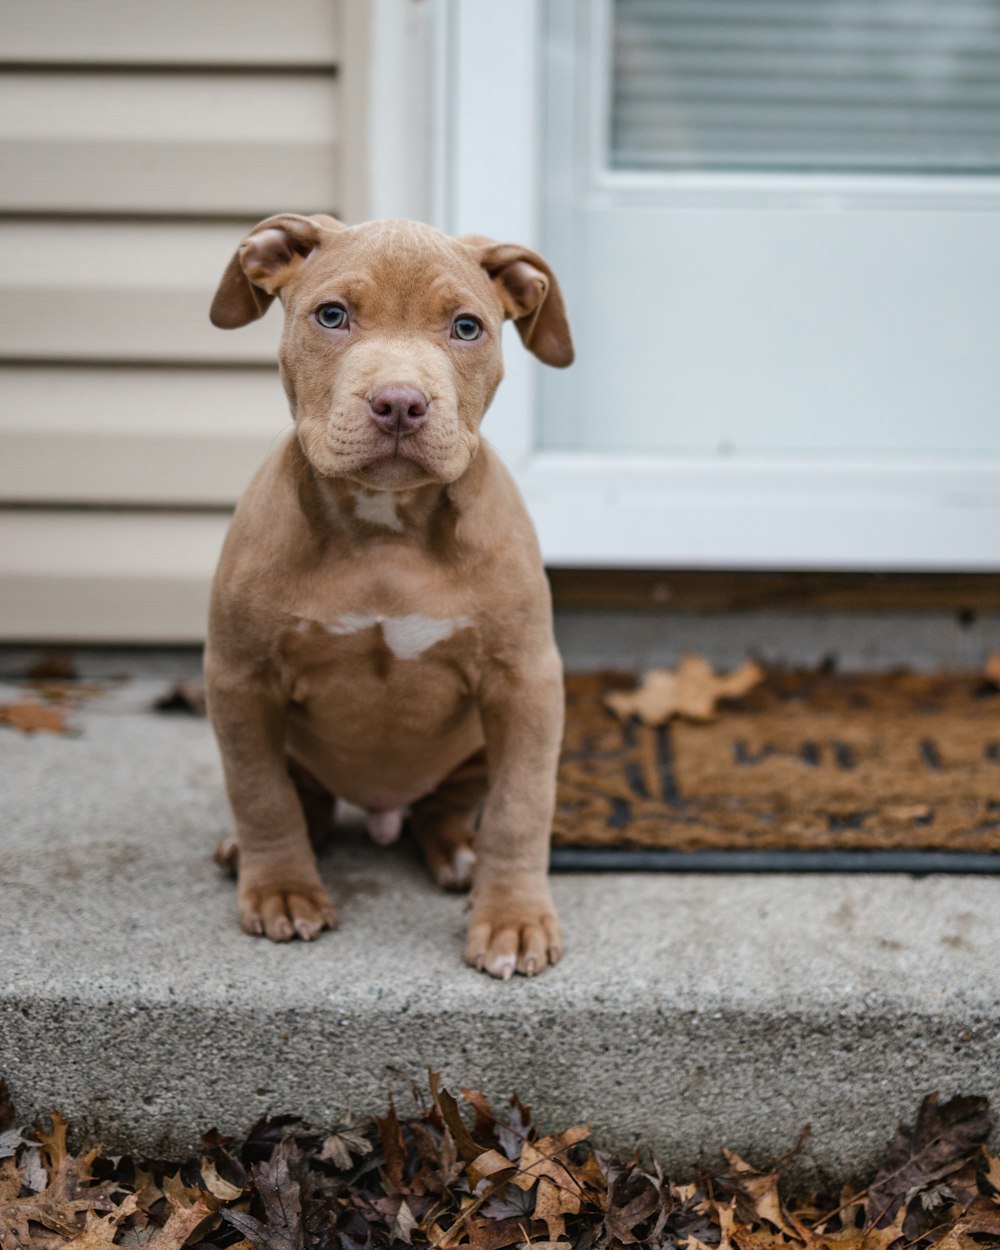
(206,143)
(138,142)
(138,577)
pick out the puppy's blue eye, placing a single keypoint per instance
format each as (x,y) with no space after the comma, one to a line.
(332,316)
(466,328)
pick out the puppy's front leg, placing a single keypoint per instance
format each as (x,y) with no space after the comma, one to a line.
(280,893)
(513,925)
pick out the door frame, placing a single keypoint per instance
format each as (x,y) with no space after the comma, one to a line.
(479,147)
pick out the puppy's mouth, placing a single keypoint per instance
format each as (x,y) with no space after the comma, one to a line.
(395,471)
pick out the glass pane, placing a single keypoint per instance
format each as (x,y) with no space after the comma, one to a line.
(899,86)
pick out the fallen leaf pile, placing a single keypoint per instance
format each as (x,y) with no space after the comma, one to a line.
(456,1174)
(691,692)
(55,689)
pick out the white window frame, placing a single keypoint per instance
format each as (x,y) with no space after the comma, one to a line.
(478,144)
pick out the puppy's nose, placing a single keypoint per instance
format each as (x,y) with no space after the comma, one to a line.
(398,409)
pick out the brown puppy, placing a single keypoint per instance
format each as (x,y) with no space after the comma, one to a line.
(381,627)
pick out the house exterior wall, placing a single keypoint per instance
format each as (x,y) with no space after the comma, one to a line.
(138,142)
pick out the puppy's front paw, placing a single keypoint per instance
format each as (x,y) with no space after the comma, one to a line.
(508,936)
(283,910)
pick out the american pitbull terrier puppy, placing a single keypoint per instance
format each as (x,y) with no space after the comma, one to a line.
(381,625)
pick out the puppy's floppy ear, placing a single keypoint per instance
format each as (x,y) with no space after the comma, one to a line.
(263,263)
(531,297)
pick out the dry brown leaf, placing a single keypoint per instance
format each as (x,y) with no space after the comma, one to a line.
(187,695)
(393,1146)
(762,1190)
(100,1231)
(907,811)
(54,666)
(992,1170)
(340,1147)
(692,692)
(183,1224)
(490,1165)
(31,717)
(217,1185)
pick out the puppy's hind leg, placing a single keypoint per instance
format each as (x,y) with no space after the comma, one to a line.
(318,805)
(444,823)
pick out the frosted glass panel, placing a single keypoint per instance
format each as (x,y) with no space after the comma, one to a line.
(905,86)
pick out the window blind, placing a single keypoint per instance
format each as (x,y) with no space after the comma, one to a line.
(904,86)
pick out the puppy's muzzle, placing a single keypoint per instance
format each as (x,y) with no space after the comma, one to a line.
(398,410)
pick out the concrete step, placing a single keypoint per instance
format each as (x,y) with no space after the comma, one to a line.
(688,1011)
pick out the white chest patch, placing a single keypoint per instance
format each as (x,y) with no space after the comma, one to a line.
(378,507)
(407,637)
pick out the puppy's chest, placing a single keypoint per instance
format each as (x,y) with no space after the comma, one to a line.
(378,652)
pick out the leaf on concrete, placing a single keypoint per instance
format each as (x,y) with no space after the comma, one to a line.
(54,666)
(692,692)
(32,717)
(186,696)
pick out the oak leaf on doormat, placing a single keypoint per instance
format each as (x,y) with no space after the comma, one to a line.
(691,692)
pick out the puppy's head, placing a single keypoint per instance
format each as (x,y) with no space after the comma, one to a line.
(390,353)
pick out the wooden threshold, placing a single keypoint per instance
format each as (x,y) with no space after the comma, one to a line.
(694,591)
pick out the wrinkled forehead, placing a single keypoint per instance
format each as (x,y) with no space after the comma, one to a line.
(399,269)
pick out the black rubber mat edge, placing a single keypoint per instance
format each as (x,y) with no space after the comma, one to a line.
(657,859)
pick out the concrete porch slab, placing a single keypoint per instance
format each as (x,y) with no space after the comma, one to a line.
(688,1011)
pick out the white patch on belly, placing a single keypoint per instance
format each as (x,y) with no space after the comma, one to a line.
(407,637)
(378,508)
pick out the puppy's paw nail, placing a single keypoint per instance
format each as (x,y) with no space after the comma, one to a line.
(529,968)
(502,968)
(306,930)
(554,952)
(480,962)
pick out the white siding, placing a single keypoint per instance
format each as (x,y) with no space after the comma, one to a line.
(138,142)
(183,143)
(170,32)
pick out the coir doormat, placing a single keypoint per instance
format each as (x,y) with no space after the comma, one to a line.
(807,771)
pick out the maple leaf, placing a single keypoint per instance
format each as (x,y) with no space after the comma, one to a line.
(338,1148)
(277,1183)
(691,692)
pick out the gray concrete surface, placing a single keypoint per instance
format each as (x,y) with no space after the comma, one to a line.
(872,641)
(688,1011)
